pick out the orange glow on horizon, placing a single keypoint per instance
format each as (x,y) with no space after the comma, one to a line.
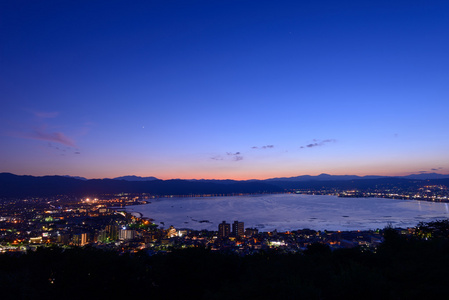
(241,175)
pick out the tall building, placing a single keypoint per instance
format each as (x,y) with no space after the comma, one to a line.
(80,239)
(112,232)
(238,228)
(224,229)
(126,234)
(102,236)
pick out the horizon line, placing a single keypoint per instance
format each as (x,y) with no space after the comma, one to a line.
(224,179)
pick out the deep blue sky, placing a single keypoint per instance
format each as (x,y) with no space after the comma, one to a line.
(224,89)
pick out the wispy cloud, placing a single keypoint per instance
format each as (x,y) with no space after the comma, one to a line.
(263,147)
(318,143)
(56,137)
(436,169)
(45,115)
(431,170)
(217,157)
(43,132)
(234,156)
(39,134)
(50,145)
(63,149)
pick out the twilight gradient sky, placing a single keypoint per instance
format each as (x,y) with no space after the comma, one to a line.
(224,89)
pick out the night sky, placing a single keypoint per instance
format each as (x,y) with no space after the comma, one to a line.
(224,89)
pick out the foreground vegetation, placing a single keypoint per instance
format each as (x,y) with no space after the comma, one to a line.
(402,268)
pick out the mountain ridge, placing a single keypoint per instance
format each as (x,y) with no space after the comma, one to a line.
(12,185)
(136,178)
(320,177)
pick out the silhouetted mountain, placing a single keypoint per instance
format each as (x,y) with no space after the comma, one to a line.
(321,177)
(13,185)
(220,181)
(361,184)
(327,177)
(135,178)
(29,186)
(425,176)
(76,177)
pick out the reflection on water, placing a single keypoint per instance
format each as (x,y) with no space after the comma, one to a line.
(291,211)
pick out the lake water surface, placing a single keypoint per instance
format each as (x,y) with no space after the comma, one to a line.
(290,212)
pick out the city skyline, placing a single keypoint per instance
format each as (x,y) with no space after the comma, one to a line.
(224,90)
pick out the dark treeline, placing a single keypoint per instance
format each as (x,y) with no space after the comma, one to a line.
(403,267)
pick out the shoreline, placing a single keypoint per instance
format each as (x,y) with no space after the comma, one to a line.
(348,221)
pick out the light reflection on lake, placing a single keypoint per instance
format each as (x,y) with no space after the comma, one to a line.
(291,211)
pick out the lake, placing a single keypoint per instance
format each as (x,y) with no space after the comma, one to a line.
(286,212)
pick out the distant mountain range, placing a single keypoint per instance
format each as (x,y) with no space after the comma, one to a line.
(127,178)
(321,177)
(327,177)
(28,186)
(425,176)
(136,178)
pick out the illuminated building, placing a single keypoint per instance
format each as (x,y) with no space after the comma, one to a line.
(112,232)
(80,239)
(238,228)
(126,234)
(171,232)
(224,229)
(36,240)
